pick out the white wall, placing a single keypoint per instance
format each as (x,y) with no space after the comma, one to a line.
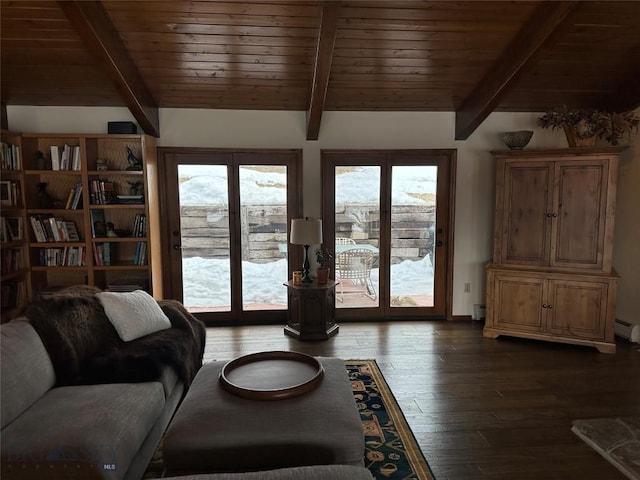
(626,251)
(375,130)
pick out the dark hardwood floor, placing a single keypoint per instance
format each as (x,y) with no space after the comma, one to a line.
(479,408)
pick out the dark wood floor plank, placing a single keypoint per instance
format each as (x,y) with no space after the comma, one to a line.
(481,409)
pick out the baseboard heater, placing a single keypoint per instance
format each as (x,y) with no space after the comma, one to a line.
(628,330)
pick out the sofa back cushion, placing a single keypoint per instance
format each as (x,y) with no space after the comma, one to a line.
(26,370)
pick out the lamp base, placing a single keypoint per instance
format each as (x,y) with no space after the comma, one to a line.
(305,266)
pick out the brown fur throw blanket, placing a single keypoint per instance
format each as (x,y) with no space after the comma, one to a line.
(85,348)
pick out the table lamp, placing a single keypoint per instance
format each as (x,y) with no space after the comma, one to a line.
(305,231)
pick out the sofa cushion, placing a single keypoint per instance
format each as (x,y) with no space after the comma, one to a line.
(133,314)
(27,372)
(169,378)
(316,472)
(91,431)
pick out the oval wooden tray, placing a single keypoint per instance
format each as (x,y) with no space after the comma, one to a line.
(272,375)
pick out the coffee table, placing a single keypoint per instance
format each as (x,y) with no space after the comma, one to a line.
(217,431)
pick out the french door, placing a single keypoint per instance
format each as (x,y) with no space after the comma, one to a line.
(226,215)
(387,217)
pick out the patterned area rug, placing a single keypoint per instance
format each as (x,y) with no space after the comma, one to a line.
(391,451)
(616,439)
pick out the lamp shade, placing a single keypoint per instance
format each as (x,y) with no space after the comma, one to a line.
(306,231)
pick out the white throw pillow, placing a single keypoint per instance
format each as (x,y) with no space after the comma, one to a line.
(133,314)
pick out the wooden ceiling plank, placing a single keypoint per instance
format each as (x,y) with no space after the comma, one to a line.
(322,68)
(129,20)
(94,26)
(484,98)
(626,96)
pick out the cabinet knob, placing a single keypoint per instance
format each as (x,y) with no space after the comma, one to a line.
(552,214)
(544,305)
(177,246)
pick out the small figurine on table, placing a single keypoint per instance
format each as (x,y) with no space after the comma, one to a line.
(134,162)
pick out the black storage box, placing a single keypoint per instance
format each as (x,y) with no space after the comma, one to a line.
(122,127)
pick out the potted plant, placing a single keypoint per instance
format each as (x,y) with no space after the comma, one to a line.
(323,257)
(584,126)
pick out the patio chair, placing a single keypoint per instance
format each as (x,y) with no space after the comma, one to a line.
(355,265)
(345,241)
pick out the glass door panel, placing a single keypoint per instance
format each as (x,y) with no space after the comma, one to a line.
(263,236)
(226,215)
(204,237)
(389,211)
(413,220)
(357,236)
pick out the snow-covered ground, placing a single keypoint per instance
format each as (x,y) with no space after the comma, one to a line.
(206,281)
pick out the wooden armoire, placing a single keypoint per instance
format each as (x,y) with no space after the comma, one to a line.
(551,277)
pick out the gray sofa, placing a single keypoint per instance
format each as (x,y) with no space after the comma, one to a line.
(104,431)
(78,403)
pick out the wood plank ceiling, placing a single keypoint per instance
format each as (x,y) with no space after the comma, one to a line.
(471,57)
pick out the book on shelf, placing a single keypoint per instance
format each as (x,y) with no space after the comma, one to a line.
(71,231)
(14,293)
(12,260)
(75,164)
(106,253)
(102,192)
(55,157)
(62,257)
(10,157)
(53,229)
(98,223)
(37,229)
(74,199)
(4,230)
(140,257)
(9,193)
(11,229)
(15,228)
(131,199)
(102,253)
(128,285)
(65,157)
(139,225)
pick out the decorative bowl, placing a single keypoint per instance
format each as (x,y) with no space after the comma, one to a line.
(516,140)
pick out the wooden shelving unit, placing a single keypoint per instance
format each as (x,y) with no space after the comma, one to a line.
(63,260)
(15,278)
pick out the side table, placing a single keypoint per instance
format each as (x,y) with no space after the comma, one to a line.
(311,313)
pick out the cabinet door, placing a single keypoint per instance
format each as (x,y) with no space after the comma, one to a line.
(518,303)
(578,309)
(526,213)
(581,199)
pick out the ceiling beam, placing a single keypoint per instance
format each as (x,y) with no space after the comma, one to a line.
(95,28)
(487,94)
(322,66)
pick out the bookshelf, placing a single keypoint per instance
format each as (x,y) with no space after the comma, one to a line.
(15,282)
(81,217)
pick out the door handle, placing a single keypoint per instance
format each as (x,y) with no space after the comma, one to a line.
(177,246)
